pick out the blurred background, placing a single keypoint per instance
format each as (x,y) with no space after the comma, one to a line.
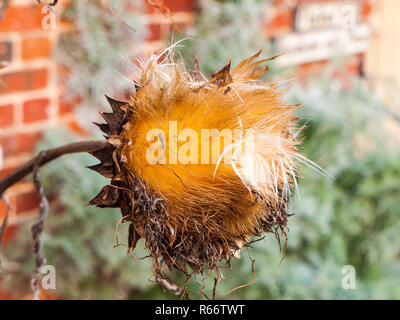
(339,59)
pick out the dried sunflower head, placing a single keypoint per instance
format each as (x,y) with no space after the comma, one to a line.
(199,167)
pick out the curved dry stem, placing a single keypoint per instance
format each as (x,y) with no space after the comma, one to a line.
(37,228)
(50,155)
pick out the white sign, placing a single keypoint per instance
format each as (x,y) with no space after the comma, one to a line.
(323,31)
(298,48)
(327,15)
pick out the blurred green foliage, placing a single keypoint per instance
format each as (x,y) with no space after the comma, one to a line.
(96,52)
(225,30)
(350,219)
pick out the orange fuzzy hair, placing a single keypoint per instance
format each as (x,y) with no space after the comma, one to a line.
(199,213)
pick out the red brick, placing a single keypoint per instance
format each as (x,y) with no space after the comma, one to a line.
(147,8)
(281,22)
(27,201)
(68,106)
(181,5)
(172,5)
(7,145)
(23,80)
(35,110)
(6,48)
(8,235)
(38,47)
(19,143)
(21,18)
(366,9)
(3,208)
(154,32)
(27,141)
(10,230)
(6,116)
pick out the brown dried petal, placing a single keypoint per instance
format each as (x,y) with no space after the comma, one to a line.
(107,197)
(222,77)
(114,120)
(106,171)
(246,62)
(133,236)
(196,69)
(105,155)
(115,104)
(103,127)
(116,140)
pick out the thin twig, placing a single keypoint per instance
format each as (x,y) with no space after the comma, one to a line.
(216,280)
(37,228)
(50,154)
(248,244)
(166,12)
(247,284)
(50,4)
(115,14)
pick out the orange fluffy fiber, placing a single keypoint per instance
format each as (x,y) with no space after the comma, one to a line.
(221,152)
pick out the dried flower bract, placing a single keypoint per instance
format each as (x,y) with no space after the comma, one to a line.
(197,166)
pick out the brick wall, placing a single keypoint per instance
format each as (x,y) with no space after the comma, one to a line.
(281,19)
(30,99)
